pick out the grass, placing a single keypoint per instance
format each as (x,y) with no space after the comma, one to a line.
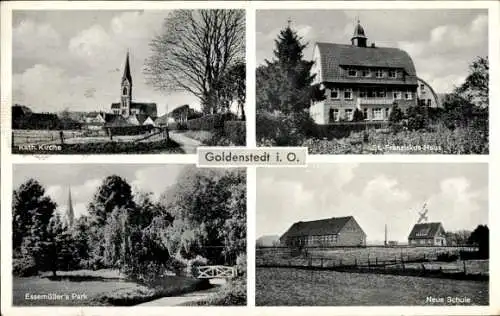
(439,141)
(296,287)
(110,147)
(233,293)
(97,288)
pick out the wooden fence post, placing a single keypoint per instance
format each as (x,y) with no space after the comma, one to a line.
(465,269)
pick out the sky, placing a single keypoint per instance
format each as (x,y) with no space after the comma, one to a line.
(375,194)
(74,59)
(442,43)
(84,179)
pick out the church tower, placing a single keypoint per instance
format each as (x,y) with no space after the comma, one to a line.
(70,215)
(359,38)
(126,89)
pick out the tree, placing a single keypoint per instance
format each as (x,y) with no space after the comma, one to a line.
(396,115)
(481,237)
(358,116)
(112,193)
(194,52)
(32,211)
(234,87)
(475,87)
(284,84)
(57,251)
(209,213)
(417,118)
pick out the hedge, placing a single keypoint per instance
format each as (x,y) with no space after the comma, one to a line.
(236,132)
(210,122)
(342,130)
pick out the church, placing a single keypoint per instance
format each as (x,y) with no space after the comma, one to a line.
(127,112)
(359,76)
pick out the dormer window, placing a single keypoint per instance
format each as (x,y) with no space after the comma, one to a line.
(352,72)
(392,74)
(366,73)
(379,74)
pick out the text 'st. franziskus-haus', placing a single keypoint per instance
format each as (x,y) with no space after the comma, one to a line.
(369,78)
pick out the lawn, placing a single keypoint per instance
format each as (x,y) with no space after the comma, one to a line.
(296,287)
(96,288)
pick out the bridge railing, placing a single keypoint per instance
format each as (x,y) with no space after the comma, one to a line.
(211,272)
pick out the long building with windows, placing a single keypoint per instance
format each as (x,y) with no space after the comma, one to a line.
(369,78)
(330,232)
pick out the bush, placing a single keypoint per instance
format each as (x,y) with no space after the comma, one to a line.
(236,132)
(210,122)
(24,267)
(233,293)
(284,130)
(241,264)
(193,264)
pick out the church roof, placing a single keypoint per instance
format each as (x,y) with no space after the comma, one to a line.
(126,70)
(425,230)
(335,56)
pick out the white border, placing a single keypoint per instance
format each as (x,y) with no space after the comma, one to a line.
(8,159)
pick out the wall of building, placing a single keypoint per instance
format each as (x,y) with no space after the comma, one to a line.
(351,235)
(320,111)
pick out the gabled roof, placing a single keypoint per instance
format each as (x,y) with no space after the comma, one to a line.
(425,230)
(326,226)
(145,108)
(333,56)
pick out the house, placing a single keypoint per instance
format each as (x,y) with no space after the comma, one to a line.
(426,96)
(427,234)
(330,232)
(95,118)
(127,106)
(357,76)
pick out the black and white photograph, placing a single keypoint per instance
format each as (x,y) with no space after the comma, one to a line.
(386,234)
(406,81)
(128,234)
(128,82)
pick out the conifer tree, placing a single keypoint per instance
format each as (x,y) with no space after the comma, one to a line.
(284,83)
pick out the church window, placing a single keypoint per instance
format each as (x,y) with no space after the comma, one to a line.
(125,91)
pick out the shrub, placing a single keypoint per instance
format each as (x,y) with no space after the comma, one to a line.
(211,121)
(24,266)
(193,264)
(236,132)
(241,264)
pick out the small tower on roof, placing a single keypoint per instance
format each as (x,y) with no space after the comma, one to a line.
(359,38)
(70,214)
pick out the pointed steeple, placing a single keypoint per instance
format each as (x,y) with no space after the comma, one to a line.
(126,70)
(70,215)
(359,38)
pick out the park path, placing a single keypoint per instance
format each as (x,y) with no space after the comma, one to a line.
(188,144)
(184,298)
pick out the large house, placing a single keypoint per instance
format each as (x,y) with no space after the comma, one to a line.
(128,112)
(426,95)
(330,232)
(427,234)
(359,76)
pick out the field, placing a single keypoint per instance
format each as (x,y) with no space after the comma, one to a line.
(297,287)
(335,256)
(95,288)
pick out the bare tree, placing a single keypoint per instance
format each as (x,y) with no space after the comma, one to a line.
(194,51)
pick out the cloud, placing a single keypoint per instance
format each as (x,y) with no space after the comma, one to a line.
(52,73)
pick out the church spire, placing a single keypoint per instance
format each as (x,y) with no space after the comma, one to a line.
(70,215)
(126,70)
